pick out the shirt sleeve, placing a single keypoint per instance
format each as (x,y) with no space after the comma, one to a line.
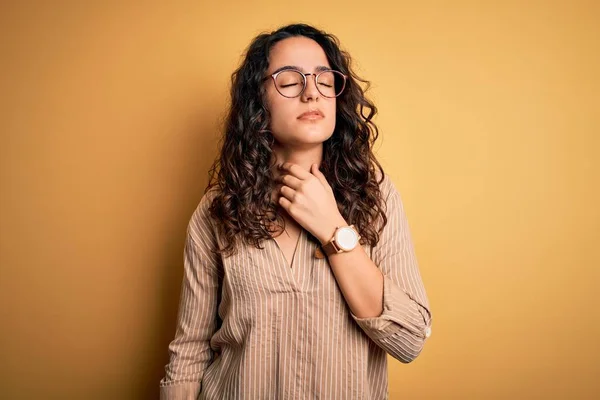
(190,352)
(405,323)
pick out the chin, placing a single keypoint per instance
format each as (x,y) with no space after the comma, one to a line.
(313,136)
(303,141)
(316,130)
(304,135)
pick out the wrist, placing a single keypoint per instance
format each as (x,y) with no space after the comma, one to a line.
(328,232)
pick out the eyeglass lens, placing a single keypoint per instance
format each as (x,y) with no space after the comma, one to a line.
(291,83)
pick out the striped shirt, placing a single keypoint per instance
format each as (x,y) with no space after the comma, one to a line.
(251,327)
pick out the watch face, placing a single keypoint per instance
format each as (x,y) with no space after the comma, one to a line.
(346,238)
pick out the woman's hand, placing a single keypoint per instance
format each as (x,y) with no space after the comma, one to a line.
(307,197)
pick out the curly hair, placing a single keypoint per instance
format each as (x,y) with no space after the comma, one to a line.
(241,175)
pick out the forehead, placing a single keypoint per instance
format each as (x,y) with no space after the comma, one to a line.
(300,51)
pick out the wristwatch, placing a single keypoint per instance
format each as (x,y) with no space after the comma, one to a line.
(344,239)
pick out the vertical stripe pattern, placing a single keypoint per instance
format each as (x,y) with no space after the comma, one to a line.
(251,327)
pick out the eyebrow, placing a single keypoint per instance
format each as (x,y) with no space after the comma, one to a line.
(286,67)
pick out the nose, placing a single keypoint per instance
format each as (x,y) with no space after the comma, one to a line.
(310,91)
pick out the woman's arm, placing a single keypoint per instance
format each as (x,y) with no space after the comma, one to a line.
(190,353)
(386,295)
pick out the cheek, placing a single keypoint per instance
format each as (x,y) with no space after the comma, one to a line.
(332,107)
(281,111)
(331,110)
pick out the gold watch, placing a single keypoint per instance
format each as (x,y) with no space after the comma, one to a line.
(344,239)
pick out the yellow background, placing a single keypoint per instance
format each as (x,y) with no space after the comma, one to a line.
(489,118)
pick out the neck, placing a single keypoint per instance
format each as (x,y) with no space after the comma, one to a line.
(303,157)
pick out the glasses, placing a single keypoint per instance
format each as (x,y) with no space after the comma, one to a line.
(292,83)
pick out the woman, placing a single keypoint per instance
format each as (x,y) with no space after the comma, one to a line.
(299,272)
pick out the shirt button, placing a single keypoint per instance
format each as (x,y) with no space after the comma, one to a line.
(428,332)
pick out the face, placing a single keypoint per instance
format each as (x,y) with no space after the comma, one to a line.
(289,127)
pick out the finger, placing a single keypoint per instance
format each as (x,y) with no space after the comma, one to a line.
(285,203)
(316,172)
(287,192)
(291,181)
(296,170)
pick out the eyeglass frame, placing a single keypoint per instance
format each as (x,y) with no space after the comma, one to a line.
(304,76)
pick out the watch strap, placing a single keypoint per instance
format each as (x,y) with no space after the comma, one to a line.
(331,247)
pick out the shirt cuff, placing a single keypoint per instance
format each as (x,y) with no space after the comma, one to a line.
(399,311)
(180,391)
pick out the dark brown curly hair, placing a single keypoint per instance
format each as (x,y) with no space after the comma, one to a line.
(241,176)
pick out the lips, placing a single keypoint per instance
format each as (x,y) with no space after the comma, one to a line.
(312,114)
